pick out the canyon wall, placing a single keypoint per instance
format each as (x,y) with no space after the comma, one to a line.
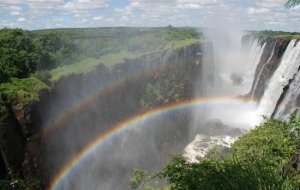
(26,151)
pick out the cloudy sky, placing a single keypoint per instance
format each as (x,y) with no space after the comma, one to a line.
(245,14)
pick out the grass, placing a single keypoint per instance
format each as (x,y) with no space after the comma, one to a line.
(22,92)
(268,34)
(88,64)
(286,36)
(183,43)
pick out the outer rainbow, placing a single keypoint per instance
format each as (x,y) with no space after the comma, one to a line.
(108,88)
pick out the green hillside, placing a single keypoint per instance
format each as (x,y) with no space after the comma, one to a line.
(38,58)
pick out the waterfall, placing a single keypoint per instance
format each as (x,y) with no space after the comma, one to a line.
(286,71)
(262,68)
(227,72)
(291,100)
(255,82)
(253,59)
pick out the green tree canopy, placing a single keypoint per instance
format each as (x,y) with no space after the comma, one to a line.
(23,52)
(292,3)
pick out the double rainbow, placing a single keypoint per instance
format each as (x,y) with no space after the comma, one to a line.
(133,122)
(109,87)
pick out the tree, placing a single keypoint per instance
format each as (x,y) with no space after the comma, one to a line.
(17,54)
(292,3)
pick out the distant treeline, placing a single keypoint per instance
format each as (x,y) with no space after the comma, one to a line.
(276,34)
(25,52)
(94,42)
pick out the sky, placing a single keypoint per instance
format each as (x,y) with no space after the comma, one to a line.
(245,14)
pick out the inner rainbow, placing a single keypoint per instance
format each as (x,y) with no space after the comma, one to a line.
(134,122)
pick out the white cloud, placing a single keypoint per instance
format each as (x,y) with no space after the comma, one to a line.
(97,18)
(84,5)
(83,20)
(15,13)
(270,3)
(21,19)
(32,3)
(15,8)
(189,6)
(124,18)
(253,10)
(248,14)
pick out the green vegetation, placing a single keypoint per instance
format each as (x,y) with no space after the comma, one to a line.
(272,141)
(23,52)
(95,42)
(22,92)
(165,88)
(183,43)
(112,45)
(3,112)
(269,34)
(19,184)
(292,3)
(88,64)
(32,61)
(258,160)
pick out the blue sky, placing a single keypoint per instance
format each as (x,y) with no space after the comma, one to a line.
(244,14)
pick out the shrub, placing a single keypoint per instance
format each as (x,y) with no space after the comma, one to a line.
(22,91)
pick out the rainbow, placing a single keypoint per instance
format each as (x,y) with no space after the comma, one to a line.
(131,123)
(67,113)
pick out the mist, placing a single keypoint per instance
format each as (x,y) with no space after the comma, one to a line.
(225,79)
(225,75)
(152,143)
(146,95)
(89,105)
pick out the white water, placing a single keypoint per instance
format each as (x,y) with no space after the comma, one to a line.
(221,60)
(287,69)
(247,115)
(261,71)
(203,143)
(228,59)
(256,51)
(289,102)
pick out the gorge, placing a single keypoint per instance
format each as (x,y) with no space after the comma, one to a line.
(89,130)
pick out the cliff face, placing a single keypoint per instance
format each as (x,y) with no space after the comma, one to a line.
(271,57)
(12,145)
(19,143)
(276,82)
(29,154)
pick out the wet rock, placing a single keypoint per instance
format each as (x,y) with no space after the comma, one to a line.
(216,127)
(236,79)
(293,168)
(269,62)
